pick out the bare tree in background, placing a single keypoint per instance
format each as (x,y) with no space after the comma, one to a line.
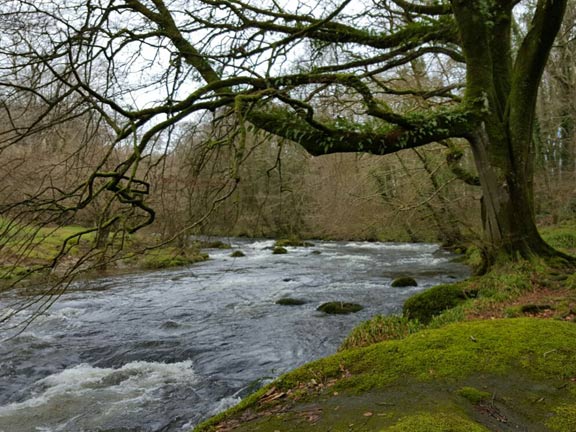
(142,67)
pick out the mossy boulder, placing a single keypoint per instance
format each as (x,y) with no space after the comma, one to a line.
(290,302)
(425,305)
(404,281)
(237,254)
(339,308)
(433,380)
(279,250)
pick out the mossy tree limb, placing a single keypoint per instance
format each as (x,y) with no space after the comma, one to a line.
(233,65)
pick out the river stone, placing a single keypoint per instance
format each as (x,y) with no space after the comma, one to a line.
(404,281)
(339,308)
(290,302)
(278,250)
(170,325)
(237,254)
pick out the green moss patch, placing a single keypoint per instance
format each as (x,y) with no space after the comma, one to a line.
(473,395)
(436,422)
(564,419)
(430,379)
(424,306)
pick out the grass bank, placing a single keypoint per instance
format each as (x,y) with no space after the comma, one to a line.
(29,252)
(493,353)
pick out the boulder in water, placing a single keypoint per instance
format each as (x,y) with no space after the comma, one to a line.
(404,281)
(339,308)
(290,302)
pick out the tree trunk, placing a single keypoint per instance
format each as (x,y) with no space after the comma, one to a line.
(503,89)
(507,202)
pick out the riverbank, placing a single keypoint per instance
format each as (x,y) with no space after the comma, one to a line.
(493,353)
(30,253)
(164,350)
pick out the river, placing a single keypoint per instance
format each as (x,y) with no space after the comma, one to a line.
(162,351)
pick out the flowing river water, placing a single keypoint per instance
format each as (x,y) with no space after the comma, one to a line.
(162,351)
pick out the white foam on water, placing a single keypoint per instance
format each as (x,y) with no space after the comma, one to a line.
(224,404)
(67,313)
(261,244)
(133,382)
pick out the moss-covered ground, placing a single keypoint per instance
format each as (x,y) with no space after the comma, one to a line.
(28,252)
(493,353)
(490,375)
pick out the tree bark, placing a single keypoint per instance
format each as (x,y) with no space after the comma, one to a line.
(507,205)
(503,90)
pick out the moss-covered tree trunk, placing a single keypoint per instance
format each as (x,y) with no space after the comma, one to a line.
(502,90)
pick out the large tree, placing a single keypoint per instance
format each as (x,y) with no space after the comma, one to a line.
(147,65)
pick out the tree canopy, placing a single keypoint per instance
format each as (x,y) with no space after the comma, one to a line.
(144,67)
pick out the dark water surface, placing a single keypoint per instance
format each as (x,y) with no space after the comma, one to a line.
(162,351)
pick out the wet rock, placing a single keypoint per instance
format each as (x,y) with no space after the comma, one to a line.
(278,250)
(168,325)
(404,281)
(339,308)
(237,254)
(290,302)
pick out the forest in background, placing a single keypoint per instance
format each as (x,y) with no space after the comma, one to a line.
(277,189)
(208,176)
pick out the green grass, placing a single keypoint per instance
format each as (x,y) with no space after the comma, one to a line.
(26,251)
(380,328)
(562,237)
